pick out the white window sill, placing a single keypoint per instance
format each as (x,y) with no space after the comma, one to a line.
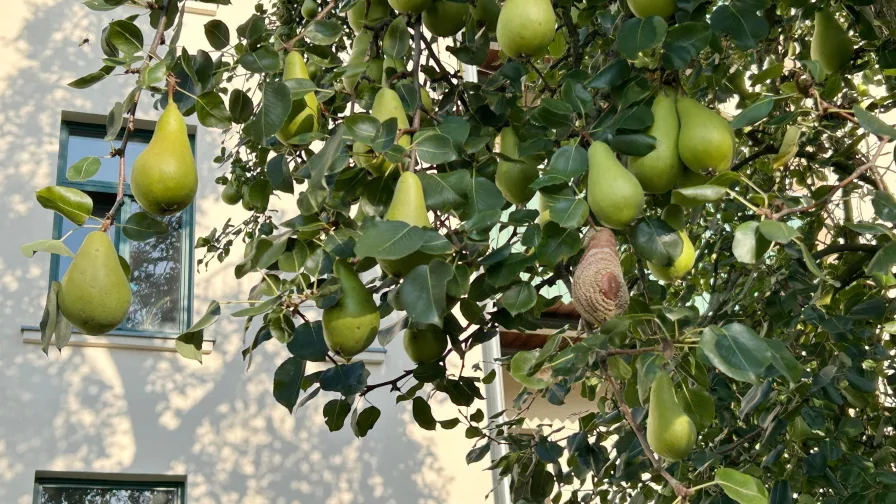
(155,342)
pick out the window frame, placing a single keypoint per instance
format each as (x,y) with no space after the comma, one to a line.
(70,128)
(112,484)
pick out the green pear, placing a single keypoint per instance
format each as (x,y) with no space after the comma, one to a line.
(410,6)
(660,170)
(679,267)
(646,8)
(614,194)
(525,27)
(231,194)
(706,140)
(351,324)
(831,46)
(164,179)
(513,178)
(386,105)
(360,47)
(302,117)
(670,432)
(444,18)
(359,14)
(486,12)
(425,344)
(309,9)
(95,294)
(407,206)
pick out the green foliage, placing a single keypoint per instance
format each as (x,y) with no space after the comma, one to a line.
(780,339)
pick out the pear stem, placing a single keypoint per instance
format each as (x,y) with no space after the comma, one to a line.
(132,112)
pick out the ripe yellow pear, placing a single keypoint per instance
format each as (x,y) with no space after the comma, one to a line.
(706,140)
(302,117)
(359,14)
(486,13)
(164,179)
(410,6)
(351,324)
(425,344)
(670,432)
(679,267)
(525,27)
(407,206)
(831,46)
(614,194)
(360,47)
(646,8)
(513,179)
(444,18)
(94,294)
(386,105)
(660,170)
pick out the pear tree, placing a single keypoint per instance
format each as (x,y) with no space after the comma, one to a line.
(705,180)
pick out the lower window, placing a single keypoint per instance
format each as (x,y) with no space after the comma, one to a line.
(76,491)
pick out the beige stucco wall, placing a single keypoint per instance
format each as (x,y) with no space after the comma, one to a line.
(113,410)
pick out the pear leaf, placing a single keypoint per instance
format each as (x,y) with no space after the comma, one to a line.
(365,420)
(288,382)
(397,40)
(211,111)
(275,107)
(84,169)
(518,298)
(141,226)
(657,242)
(388,239)
(72,204)
(263,60)
(49,246)
(363,128)
(639,35)
(741,487)
(736,350)
(753,114)
(423,292)
(741,22)
(335,413)
(217,34)
(873,124)
(749,245)
(49,318)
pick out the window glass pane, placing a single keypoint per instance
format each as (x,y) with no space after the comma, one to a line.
(84,146)
(102,203)
(78,494)
(157,278)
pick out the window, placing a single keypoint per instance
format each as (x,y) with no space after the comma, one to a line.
(75,491)
(160,268)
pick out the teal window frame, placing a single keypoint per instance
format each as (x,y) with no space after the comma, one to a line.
(68,129)
(116,484)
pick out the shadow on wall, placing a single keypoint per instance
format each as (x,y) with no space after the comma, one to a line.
(128,411)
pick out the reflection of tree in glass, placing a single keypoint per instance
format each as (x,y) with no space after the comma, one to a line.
(63,495)
(156,276)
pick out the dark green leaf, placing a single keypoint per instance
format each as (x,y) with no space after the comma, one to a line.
(365,420)
(275,107)
(70,203)
(388,239)
(423,414)
(217,34)
(240,106)
(742,488)
(423,292)
(49,319)
(397,40)
(749,246)
(569,162)
(884,205)
(637,144)
(754,113)
(211,111)
(637,35)
(873,124)
(335,413)
(741,22)
(736,351)
(288,382)
(323,31)
(126,36)
(141,226)
(263,60)
(611,75)
(277,171)
(434,148)
(519,298)
(783,360)
(777,231)
(363,128)
(308,342)
(347,379)
(656,241)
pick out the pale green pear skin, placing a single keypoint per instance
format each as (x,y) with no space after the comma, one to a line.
(513,179)
(444,18)
(706,140)
(386,105)
(487,12)
(309,9)
(614,194)
(360,47)
(94,294)
(425,344)
(680,266)
(164,178)
(410,6)
(659,171)
(359,14)
(831,46)
(302,117)
(646,8)
(350,325)
(408,206)
(670,432)
(525,27)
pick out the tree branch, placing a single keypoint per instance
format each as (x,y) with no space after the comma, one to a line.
(322,14)
(846,247)
(766,150)
(825,200)
(120,151)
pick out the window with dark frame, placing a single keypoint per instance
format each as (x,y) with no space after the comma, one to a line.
(84,491)
(160,268)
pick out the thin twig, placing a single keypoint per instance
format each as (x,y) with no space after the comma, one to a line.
(824,201)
